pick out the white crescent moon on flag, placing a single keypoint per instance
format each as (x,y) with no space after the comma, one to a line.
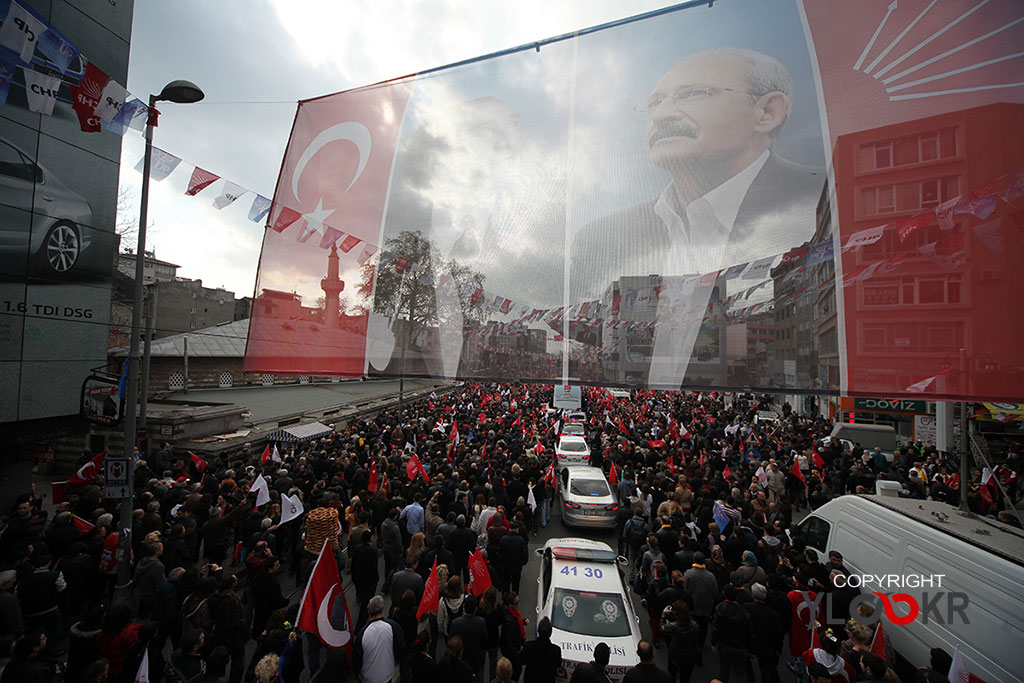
(85,468)
(330,635)
(354,132)
(804,605)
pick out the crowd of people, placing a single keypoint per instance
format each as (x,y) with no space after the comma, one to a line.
(709,495)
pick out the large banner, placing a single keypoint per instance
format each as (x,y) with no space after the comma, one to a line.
(767,195)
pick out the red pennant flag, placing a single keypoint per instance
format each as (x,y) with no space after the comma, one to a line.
(285,218)
(323,589)
(266,455)
(671,463)
(87,472)
(83,527)
(430,594)
(200,181)
(479,577)
(517,421)
(422,471)
(878,642)
(348,243)
(795,470)
(411,468)
(549,475)
(656,443)
(372,486)
(622,427)
(816,457)
(613,476)
(198,462)
(727,473)
(454,436)
(85,97)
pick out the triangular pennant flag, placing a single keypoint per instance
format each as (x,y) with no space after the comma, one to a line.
(85,97)
(142,676)
(111,100)
(262,490)
(161,165)
(199,181)
(291,507)
(20,30)
(531,500)
(322,598)
(795,471)
(348,243)
(266,455)
(479,577)
(275,455)
(81,526)
(133,114)
(285,218)
(366,253)
(260,206)
(429,601)
(41,91)
(228,195)
(57,49)
(199,463)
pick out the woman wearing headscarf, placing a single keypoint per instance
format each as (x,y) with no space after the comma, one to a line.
(749,573)
(718,566)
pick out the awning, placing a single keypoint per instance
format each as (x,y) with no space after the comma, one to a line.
(299,433)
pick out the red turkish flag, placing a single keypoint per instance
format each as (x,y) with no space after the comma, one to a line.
(87,472)
(549,475)
(727,473)
(429,601)
(266,455)
(878,642)
(795,471)
(372,486)
(323,590)
(816,457)
(479,577)
(199,181)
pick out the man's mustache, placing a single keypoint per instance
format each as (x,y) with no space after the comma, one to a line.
(671,129)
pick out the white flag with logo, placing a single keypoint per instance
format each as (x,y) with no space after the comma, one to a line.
(291,507)
(758,269)
(531,500)
(143,675)
(161,165)
(41,91)
(864,237)
(21,31)
(262,490)
(762,476)
(111,100)
(230,193)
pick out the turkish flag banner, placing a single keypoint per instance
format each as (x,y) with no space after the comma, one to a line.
(87,472)
(323,603)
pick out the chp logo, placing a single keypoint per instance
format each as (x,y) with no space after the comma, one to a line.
(900,608)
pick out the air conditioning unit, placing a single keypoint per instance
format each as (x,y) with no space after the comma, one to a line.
(990,275)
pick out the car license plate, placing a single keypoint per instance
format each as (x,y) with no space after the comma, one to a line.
(592,512)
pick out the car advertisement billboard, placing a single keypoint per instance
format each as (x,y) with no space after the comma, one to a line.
(58,203)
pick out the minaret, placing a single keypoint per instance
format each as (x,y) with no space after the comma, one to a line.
(332,286)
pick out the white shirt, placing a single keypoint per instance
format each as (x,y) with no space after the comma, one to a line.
(378,653)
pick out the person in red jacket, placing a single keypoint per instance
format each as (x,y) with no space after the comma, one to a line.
(114,641)
(827,655)
(804,615)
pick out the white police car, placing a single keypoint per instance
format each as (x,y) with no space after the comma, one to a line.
(583,592)
(571,451)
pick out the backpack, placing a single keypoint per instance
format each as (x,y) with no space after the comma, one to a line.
(636,532)
(659,572)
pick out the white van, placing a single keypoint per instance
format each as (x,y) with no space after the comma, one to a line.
(977,556)
(869,437)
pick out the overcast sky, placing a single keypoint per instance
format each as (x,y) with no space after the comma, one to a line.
(256,58)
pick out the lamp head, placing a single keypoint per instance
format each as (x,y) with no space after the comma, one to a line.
(182,92)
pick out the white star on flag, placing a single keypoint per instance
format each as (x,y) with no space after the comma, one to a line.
(315,218)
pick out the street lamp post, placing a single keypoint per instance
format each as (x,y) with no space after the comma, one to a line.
(182,92)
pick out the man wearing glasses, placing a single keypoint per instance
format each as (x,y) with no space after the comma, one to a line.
(711,123)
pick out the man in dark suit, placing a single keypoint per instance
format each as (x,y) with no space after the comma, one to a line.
(711,125)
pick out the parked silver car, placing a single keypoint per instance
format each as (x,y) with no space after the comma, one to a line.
(587,499)
(42,218)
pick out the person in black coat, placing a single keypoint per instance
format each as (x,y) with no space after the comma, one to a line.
(463,543)
(768,633)
(514,555)
(593,672)
(451,668)
(473,631)
(365,575)
(542,657)
(267,596)
(513,634)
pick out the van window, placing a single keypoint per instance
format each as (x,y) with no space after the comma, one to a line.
(815,531)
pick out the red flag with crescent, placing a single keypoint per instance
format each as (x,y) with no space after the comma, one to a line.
(320,603)
(87,472)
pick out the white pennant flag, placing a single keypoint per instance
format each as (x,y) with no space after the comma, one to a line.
(143,675)
(275,455)
(41,91)
(21,31)
(291,507)
(111,100)
(161,165)
(864,237)
(762,476)
(262,490)
(531,501)
(230,193)
(758,269)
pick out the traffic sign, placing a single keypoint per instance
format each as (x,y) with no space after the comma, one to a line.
(115,472)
